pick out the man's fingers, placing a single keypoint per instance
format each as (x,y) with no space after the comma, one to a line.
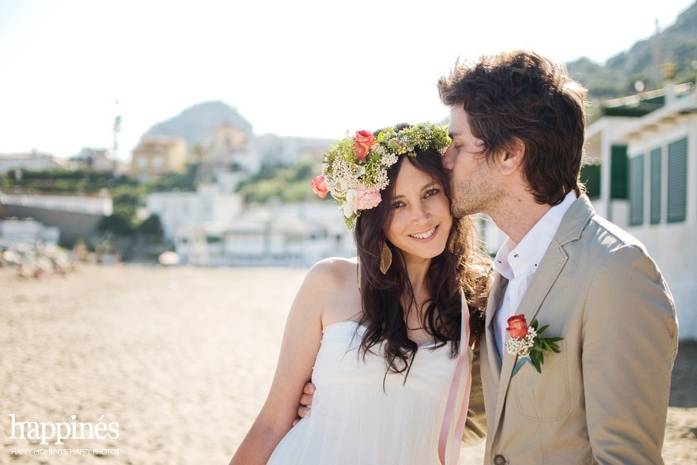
(306,400)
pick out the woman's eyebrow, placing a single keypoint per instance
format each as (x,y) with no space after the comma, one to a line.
(426,186)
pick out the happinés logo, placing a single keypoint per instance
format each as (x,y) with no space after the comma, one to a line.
(45,431)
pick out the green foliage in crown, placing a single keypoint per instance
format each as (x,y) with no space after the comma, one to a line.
(354,170)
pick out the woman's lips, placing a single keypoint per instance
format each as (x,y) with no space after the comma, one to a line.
(425,235)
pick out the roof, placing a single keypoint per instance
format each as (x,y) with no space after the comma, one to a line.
(641,104)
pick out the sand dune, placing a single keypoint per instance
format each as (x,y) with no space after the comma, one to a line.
(181,358)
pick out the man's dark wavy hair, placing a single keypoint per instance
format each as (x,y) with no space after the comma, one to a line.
(525,96)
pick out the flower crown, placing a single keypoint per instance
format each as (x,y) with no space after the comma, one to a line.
(354,170)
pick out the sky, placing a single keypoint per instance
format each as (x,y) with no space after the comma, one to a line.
(301,68)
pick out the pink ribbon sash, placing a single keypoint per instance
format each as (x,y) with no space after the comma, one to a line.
(462,370)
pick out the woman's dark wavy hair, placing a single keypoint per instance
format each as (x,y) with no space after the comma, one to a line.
(462,265)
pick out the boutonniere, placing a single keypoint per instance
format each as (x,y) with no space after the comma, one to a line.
(529,343)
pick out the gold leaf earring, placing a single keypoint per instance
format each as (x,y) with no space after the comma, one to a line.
(385,258)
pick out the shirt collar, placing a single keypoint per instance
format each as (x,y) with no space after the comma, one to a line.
(515,260)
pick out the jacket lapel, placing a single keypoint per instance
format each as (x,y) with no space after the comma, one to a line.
(546,275)
(548,272)
(492,305)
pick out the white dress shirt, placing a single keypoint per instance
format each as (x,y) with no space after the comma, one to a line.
(518,263)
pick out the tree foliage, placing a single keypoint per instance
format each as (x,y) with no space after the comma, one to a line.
(287,184)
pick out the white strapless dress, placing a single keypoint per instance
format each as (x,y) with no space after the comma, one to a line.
(354,422)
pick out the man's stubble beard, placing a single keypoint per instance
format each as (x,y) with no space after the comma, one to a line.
(469,201)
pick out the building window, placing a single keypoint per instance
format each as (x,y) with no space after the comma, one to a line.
(677,181)
(656,185)
(636,190)
(590,176)
(213,239)
(618,172)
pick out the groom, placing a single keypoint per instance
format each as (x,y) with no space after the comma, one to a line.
(517,125)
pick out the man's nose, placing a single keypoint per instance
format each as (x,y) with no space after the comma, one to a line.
(449,159)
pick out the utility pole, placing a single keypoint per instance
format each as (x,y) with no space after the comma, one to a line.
(116,129)
(657,58)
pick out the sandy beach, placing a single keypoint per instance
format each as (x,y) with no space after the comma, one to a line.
(181,358)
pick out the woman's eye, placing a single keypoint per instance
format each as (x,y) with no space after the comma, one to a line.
(432,192)
(397,205)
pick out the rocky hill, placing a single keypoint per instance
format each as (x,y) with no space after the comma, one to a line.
(198,121)
(616,77)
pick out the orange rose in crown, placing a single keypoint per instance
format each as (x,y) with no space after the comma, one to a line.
(527,342)
(362,143)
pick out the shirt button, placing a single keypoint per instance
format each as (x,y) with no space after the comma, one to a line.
(500,460)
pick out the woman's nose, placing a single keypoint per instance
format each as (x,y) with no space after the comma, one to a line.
(421,215)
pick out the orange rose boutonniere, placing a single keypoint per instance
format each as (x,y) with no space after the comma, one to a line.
(528,343)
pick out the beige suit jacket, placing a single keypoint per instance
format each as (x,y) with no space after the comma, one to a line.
(603,399)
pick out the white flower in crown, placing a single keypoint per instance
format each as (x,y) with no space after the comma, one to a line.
(354,170)
(350,205)
(389,159)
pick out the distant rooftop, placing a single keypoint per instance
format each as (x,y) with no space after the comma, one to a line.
(643,103)
(34,154)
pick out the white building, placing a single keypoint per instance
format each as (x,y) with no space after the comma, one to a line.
(30,161)
(92,204)
(15,232)
(75,216)
(226,149)
(96,159)
(271,149)
(280,235)
(648,150)
(179,212)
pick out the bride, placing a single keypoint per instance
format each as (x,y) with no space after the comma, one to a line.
(386,337)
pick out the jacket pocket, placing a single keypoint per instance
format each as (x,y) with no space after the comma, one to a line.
(542,396)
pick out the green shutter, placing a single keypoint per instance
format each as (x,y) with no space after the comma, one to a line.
(636,190)
(677,181)
(590,176)
(618,172)
(656,186)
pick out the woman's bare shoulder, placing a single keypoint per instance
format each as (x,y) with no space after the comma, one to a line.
(334,271)
(336,281)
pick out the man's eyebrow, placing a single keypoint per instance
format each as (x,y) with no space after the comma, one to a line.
(426,186)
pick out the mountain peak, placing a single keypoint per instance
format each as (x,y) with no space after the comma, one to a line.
(196,122)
